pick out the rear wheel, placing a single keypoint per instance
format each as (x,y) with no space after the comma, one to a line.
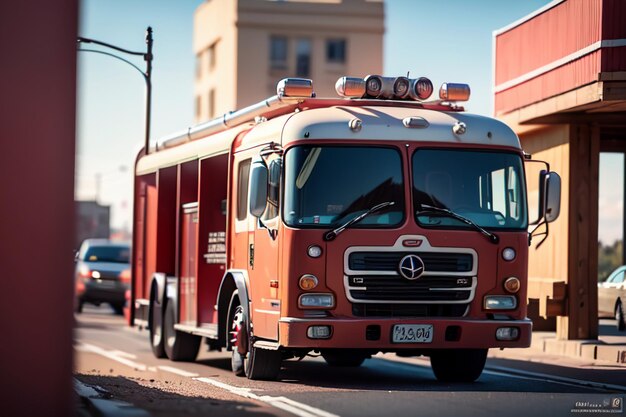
(179,346)
(156,329)
(253,362)
(458,365)
(118,308)
(619,316)
(344,358)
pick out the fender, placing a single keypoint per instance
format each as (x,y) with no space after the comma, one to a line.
(234,279)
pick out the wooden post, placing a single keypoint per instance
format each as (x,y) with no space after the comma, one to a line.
(582,291)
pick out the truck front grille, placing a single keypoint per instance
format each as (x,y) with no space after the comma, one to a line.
(449,277)
(389,261)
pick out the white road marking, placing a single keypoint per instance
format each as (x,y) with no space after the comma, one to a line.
(511,372)
(294,407)
(116,355)
(177,371)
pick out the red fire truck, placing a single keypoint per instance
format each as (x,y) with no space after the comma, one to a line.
(376,221)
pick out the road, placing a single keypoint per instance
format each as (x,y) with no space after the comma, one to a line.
(118,358)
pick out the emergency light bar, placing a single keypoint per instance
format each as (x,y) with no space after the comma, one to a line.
(398,88)
(454,92)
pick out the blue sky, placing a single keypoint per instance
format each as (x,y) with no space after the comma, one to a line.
(445,40)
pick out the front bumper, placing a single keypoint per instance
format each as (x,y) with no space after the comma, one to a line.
(351,333)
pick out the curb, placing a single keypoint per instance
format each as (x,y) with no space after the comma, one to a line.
(585,349)
(98,402)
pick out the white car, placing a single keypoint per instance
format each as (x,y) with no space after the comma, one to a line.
(612,296)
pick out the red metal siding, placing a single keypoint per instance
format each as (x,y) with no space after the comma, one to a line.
(614,19)
(550,36)
(614,59)
(554,34)
(565,78)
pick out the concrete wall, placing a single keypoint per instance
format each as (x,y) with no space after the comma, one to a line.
(244,27)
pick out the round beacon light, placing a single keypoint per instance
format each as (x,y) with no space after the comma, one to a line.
(314,251)
(512,285)
(401,87)
(508,254)
(373,85)
(308,282)
(421,88)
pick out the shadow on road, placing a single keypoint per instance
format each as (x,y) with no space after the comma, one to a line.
(161,401)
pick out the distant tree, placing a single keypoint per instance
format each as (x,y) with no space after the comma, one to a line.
(609,258)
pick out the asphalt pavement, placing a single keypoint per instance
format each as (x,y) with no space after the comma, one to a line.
(114,361)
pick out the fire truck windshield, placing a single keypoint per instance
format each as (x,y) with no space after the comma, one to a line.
(327,186)
(485,187)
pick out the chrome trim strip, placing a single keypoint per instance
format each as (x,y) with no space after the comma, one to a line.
(469,300)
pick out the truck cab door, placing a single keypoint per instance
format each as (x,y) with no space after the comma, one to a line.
(264,250)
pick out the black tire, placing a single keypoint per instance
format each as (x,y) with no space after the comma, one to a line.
(156,329)
(79,306)
(253,362)
(179,346)
(235,334)
(458,365)
(344,358)
(118,309)
(619,316)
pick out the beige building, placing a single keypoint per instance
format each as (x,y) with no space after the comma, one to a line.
(244,47)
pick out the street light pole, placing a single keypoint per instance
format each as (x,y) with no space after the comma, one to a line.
(147,74)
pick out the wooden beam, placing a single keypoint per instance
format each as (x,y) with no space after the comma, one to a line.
(582,292)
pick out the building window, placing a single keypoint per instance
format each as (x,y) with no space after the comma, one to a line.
(303,58)
(336,51)
(211,103)
(198,107)
(199,65)
(278,52)
(212,57)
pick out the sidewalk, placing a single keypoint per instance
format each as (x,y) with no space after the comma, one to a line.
(609,348)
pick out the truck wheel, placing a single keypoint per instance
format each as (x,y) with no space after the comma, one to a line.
(458,365)
(236,335)
(253,362)
(156,330)
(179,346)
(619,316)
(344,359)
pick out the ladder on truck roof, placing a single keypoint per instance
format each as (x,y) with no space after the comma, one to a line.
(294,92)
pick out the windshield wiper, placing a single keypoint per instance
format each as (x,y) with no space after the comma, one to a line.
(332,234)
(425,208)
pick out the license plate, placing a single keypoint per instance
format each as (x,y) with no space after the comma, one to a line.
(412,333)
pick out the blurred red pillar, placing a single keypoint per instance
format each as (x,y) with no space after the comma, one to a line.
(37,134)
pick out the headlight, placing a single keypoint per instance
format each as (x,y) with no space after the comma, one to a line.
(316,301)
(500,302)
(314,251)
(508,254)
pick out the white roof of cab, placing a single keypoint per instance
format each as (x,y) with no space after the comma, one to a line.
(382,123)
(379,123)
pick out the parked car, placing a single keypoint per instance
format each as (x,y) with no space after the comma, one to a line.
(612,296)
(99,277)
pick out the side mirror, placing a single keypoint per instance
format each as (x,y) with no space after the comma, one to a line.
(258,188)
(551,192)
